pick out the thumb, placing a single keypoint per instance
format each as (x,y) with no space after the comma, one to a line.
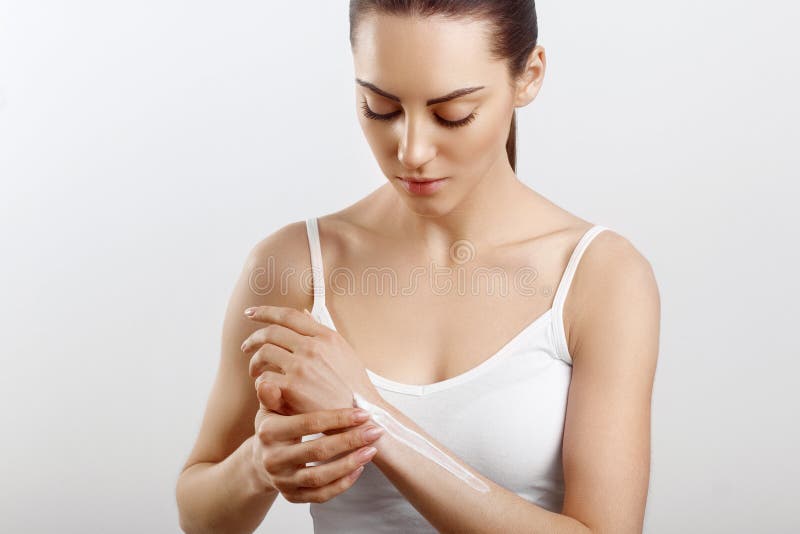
(271,397)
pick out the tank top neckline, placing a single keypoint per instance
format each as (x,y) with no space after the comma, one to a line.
(552,317)
(424,389)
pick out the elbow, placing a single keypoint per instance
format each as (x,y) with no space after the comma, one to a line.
(184,517)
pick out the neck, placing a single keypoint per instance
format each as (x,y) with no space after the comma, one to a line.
(489,215)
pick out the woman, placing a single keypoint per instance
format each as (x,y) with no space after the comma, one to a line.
(541,391)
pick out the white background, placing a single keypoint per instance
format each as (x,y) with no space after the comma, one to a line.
(146,146)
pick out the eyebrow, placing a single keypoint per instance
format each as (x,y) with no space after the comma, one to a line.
(449,96)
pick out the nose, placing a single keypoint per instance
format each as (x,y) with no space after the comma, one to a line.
(416,145)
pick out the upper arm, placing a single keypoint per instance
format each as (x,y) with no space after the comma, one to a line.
(606,445)
(271,275)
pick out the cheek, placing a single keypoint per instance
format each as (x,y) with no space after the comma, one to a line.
(378,136)
(481,139)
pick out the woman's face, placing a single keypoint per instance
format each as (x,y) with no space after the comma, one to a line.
(403,65)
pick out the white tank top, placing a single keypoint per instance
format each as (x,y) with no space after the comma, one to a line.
(519,449)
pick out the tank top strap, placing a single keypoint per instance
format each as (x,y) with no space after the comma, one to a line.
(317,271)
(562,348)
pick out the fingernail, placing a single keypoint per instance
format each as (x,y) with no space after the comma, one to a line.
(361,415)
(357,472)
(249,312)
(373,432)
(367,453)
(244,345)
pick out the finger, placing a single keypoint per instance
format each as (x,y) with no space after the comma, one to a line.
(277,380)
(322,482)
(327,448)
(296,426)
(273,400)
(300,322)
(321,495)
(270,397)
(275,334)
(270,357)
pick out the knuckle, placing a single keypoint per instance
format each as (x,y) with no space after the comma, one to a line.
(257,364)
(255,339)
(299,366)
(328,335)
(354,439)
(316,348)
(317,497)
(270,464)
(311,479)
(311,422)
(263,434)
(317,454)
(310,347)
(285,314)
(344,418)
(259,353)
(282,484)
(261,377)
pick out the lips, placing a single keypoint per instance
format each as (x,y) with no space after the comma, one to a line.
(422,186)
(418,179)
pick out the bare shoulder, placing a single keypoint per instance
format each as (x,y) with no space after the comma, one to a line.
(613,277)
(272,274)
(278,268)
(614,344)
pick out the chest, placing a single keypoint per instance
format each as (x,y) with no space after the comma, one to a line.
(429,335)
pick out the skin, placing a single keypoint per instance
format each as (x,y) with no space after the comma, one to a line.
(483,198)
(507,224)
(612,327)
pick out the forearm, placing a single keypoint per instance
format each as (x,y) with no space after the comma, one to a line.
(450,504)
(223,497)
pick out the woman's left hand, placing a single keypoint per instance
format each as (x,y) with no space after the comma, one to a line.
(314,366)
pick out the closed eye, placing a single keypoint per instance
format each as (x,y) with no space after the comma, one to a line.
(389,116)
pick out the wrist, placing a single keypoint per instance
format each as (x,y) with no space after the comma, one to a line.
(386,441)
(246,470)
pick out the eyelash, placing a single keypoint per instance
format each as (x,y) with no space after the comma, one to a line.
(449,124)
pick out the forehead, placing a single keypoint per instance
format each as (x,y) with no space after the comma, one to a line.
(419,56)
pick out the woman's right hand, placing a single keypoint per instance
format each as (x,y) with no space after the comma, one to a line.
(280,455)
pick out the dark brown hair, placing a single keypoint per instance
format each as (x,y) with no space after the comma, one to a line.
(513,25)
